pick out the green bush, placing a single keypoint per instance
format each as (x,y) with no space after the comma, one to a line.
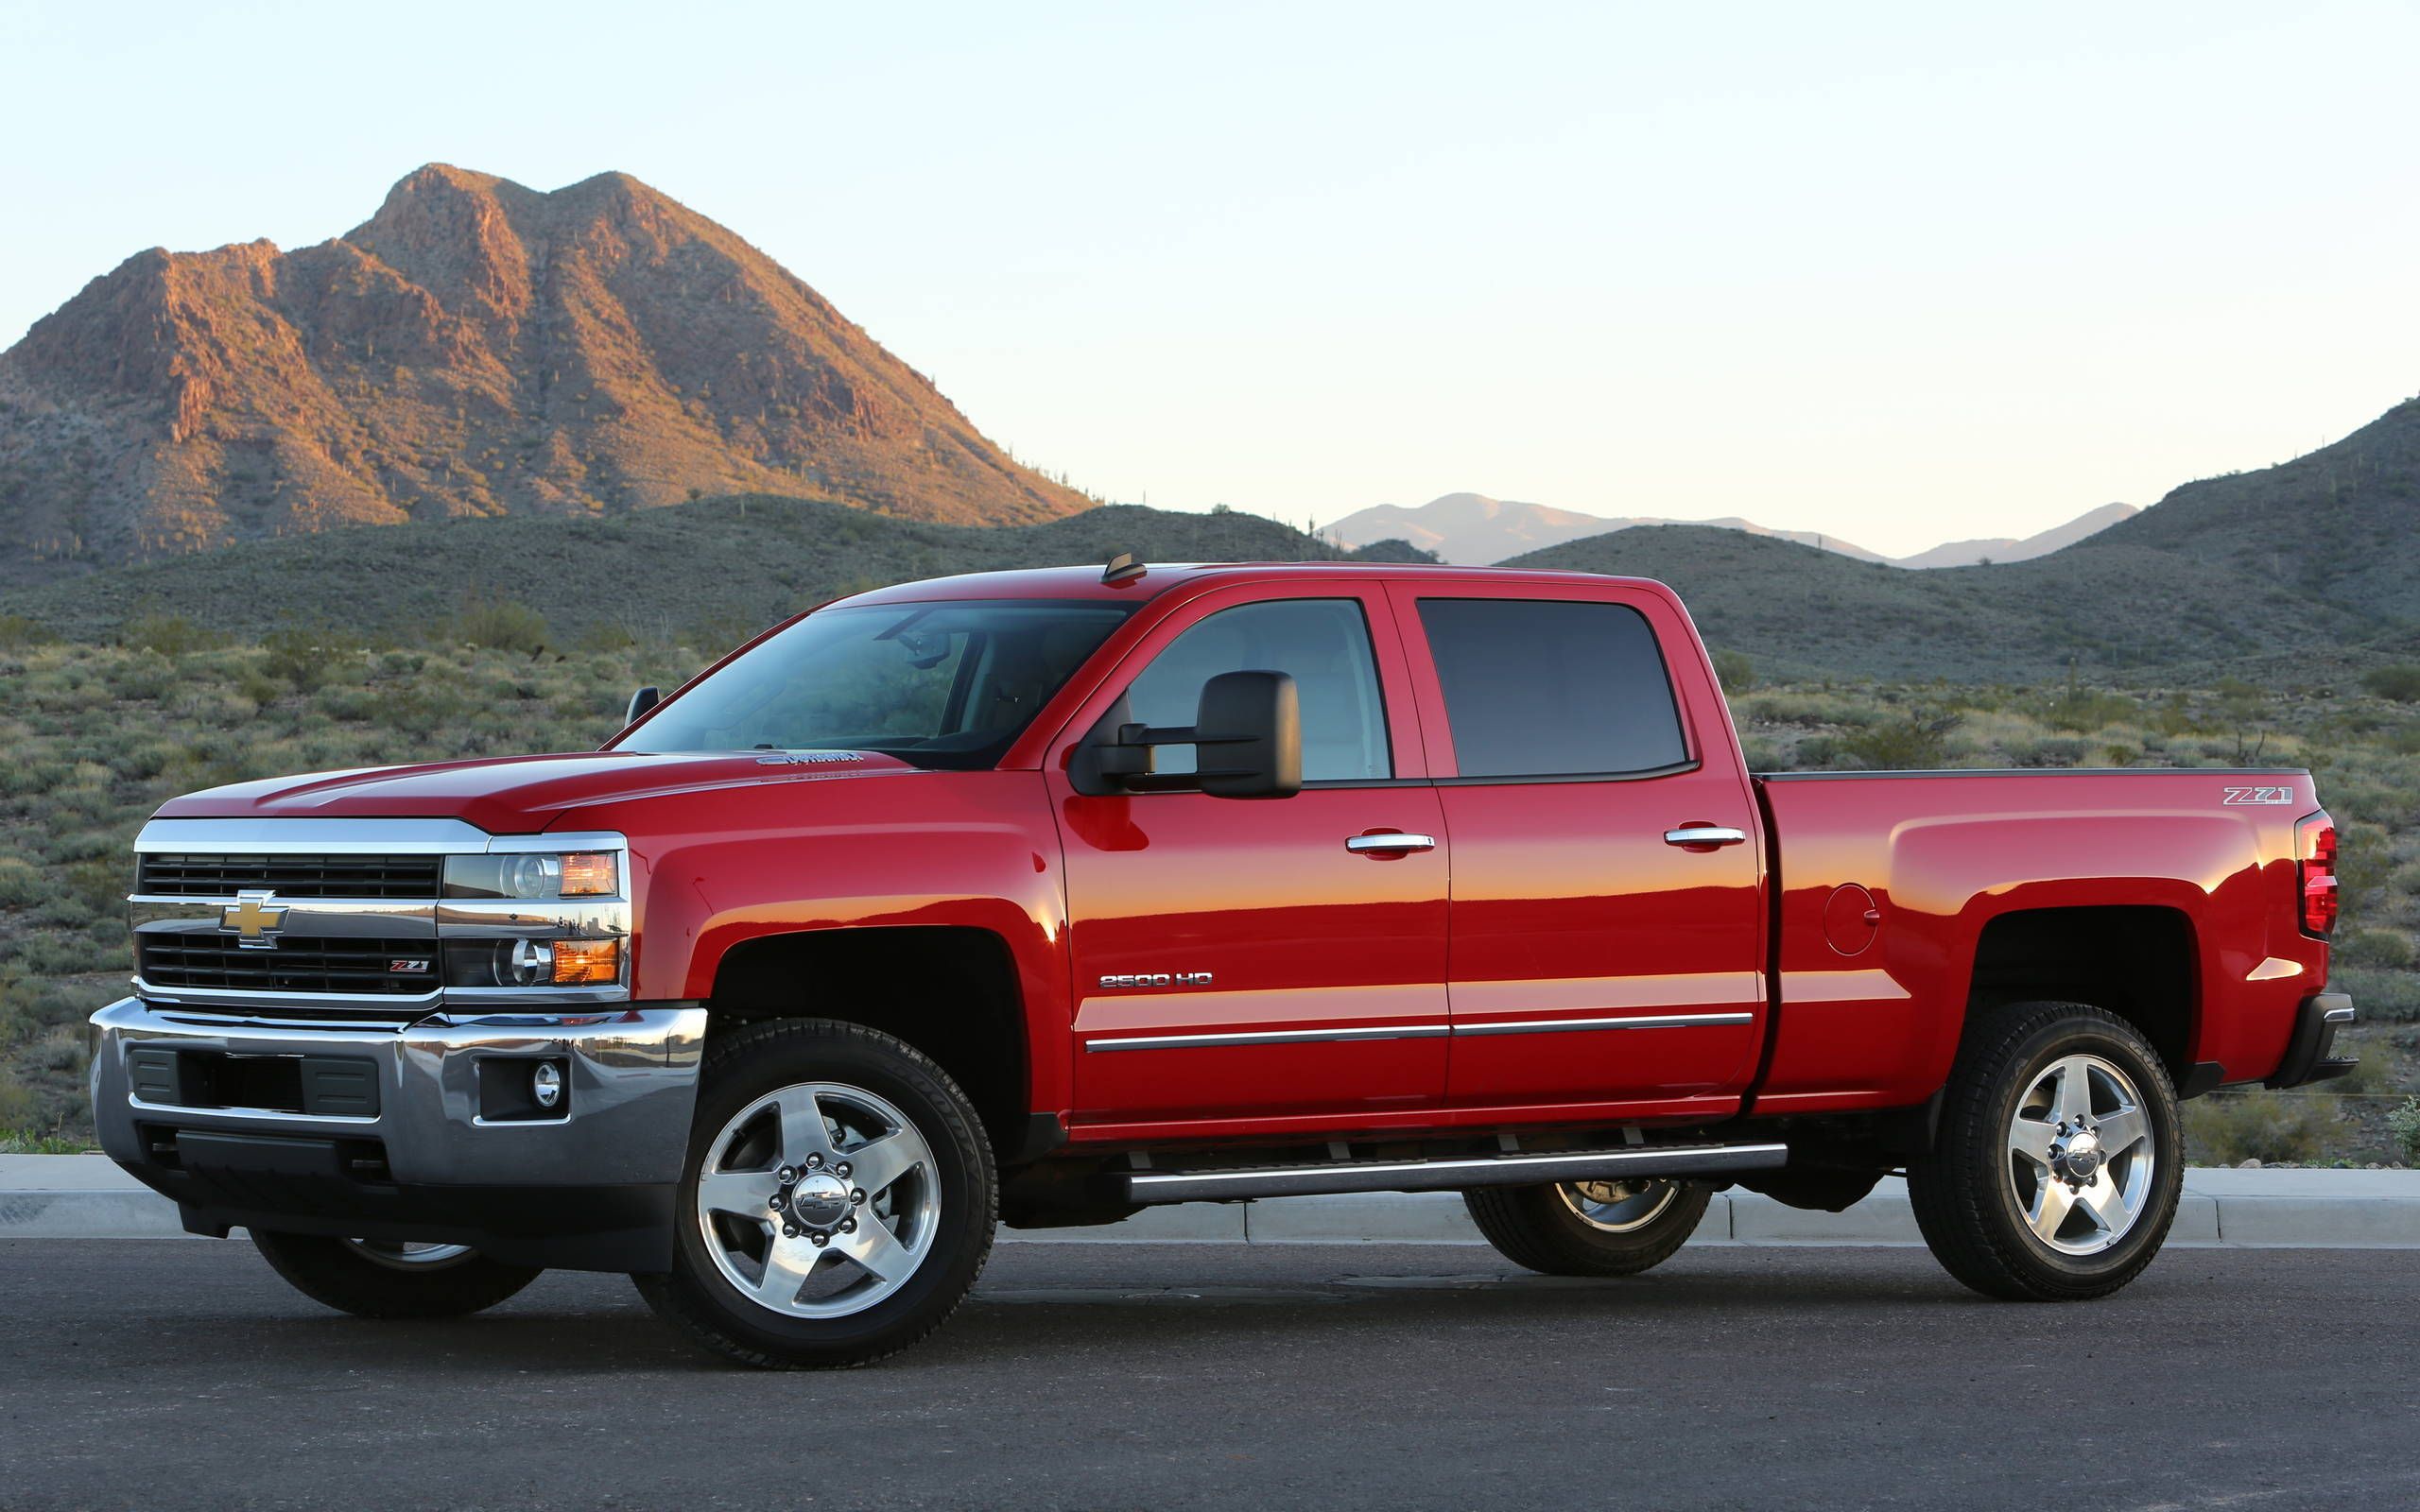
(2404,1126)
(498,624)
(17,632)
(2228,1128)
(1736,672)
(2383,996)
(2400,682)
(2388,948)
(1910,743)
(170,635)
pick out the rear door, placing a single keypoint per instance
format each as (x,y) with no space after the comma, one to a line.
(1607,914)
(1262,963)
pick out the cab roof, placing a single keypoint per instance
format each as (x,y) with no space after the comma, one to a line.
(1161,576)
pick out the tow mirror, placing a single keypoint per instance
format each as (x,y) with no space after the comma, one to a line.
(1247,735)
(640,701)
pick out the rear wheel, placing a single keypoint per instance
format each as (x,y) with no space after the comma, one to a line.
(2058,1166)
(374,1278)
(1589,1227)
(838,1203)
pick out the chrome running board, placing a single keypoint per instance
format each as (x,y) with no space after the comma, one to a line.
(1148,1187)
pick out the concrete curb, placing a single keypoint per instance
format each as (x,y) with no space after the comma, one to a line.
(87,1196)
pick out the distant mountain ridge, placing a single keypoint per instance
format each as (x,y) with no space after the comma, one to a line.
(2008,548)
(476,347)
(1476,530)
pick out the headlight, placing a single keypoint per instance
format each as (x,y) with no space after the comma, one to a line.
(534,876)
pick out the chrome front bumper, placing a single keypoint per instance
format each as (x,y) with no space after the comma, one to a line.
(588,1188)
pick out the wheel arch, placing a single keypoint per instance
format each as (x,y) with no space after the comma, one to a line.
(2140,962)
(950,990)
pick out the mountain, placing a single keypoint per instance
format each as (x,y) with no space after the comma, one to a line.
(720,569)
(2126,611)
(2341,524)
(2008,548)
(473,349)
(1474,529)
(1477,530)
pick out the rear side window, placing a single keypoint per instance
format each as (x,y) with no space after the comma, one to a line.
(1544,688)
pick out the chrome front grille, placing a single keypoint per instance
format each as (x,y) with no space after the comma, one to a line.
(163,875)
(369,965)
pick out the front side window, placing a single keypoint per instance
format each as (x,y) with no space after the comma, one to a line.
(940,685)
(1323,642)
(1548,687)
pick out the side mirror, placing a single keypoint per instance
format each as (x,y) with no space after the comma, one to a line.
(640,701)
(1247,736)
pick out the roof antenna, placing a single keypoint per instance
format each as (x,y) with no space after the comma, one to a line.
(1122,568)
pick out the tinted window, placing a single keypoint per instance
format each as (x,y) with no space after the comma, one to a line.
(1535,688)
(941,685)
(1323,641)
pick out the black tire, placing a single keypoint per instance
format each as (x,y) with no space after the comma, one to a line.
(1965,1194)
(357,1279)
(1539,1229)
(742,1066)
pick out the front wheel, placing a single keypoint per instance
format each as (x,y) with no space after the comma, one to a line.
(371,1278)
(1589,1227)
(2057,1169)
(837,1202)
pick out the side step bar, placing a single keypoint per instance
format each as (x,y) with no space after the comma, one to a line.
(1147,1187)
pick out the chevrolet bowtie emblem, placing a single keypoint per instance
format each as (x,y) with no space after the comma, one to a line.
(254,919)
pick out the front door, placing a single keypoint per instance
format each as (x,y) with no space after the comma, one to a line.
(1261,964)
(1603,960)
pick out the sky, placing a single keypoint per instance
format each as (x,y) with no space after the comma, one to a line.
(1897,273)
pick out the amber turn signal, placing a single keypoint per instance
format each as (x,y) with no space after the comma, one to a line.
(589,874)
(587,962)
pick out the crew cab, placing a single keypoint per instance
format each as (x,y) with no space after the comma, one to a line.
(1042,897)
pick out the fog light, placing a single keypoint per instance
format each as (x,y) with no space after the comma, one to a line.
(546,1083)
(587,962)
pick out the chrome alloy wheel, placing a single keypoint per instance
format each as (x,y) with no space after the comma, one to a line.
(1617,1206)
(817,1200)
(2081,1158)
(409,1256)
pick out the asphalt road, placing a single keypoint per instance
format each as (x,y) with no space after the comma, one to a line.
(170,1373)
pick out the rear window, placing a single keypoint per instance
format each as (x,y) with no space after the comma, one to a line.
(1547,688)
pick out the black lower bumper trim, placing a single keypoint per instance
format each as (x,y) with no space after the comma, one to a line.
(317,1187)
(2307,1054)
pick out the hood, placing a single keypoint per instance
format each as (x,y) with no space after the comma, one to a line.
(519,795)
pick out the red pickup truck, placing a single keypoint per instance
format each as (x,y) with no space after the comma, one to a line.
(1041,897)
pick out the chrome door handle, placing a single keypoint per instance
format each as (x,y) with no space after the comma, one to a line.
(1705,835)
(1364,844)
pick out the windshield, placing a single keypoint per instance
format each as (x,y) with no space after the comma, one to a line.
(945,686)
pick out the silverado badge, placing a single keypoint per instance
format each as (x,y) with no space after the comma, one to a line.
(254,919)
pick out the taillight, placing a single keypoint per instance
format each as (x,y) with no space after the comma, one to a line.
(2315,872)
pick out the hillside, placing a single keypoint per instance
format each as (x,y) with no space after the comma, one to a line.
(473,349)
(1474,529)
(1796,611)
(2342,523)
(720,567)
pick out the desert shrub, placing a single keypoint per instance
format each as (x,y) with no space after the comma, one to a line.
(2384,995)
(2086,709)
(2363,863)
(497,623)
(2051,750)
(1915,740)
(17,632)
(2228,1128)
(2400,682)
(2389,948)
(2406,879)
(1736,672)
(169,635)
(305,656)
(2403,1127)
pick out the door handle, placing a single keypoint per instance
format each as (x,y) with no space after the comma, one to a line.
(1389,844)
(1705,835)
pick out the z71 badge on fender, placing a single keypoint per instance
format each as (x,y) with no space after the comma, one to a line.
(2270,796)
(1159,979)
